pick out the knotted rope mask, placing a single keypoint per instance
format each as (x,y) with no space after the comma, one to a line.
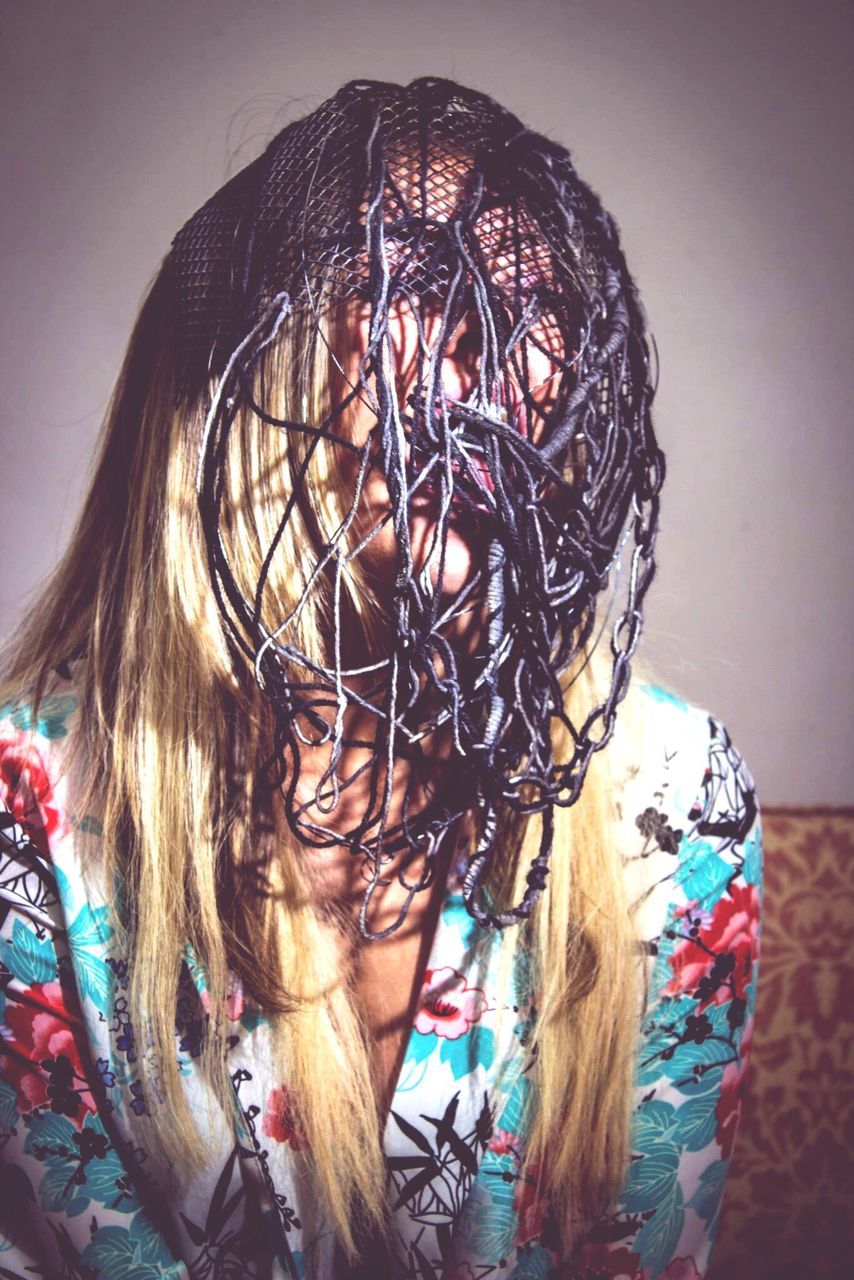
(430,212)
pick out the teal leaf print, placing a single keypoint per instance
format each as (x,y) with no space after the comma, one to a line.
(68,1153)
(50,1139)
(662,971)
(90,929)
(463,1055)
(696,1123)
(89,825)
(652,1177)
(693,1068)
(656,1039)
(750,997)
(489,1221)
(196,969)
(702,873)
(251,1018)
(102,1179)
(664,696)
(47,1130)
(63,885)
(298,1260)
(511,1117)
(657,1239)
(655,1124)
(53,717)
(151,1244)
(29,959)
(117,1251)
(752,871)
(419,1047)
(8,1107)
(58,1191)
(696,1068)
(93,979)
(707,1198)
(535,1263)
(412,1074)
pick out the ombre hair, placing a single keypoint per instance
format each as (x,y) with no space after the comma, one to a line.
(172,743)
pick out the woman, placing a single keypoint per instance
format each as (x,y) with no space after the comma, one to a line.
(335,944)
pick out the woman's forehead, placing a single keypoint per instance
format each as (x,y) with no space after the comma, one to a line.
(429,190)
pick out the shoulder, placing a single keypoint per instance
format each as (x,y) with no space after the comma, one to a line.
(705,777)
(34,761)
(695,853)
(683,757)
(688,809)
(47,720)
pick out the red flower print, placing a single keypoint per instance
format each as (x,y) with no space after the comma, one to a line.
(26,791)
(41,1058)
(717,964)
(279,1122)
(531,1207)
(448,1007)
(503,1143)
(235,1002)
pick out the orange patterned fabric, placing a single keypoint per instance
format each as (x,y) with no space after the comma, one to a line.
(788,1210)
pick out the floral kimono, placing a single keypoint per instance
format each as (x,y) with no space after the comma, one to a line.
(81,1197)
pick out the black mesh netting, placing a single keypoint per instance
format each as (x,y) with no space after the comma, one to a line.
(429,210)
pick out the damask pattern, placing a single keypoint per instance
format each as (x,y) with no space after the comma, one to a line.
(83,1198)
(789,1207)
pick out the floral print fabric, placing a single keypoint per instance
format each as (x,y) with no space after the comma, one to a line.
(82,1198)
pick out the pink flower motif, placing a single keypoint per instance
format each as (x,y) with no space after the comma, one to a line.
(531,1207)
(734,930)
(44,1028)
(26,790)
(235,1002)
(279,1122)
(448,1007)
(503,1143)
(235,1005)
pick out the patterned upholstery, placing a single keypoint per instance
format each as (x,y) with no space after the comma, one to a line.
(788,1210)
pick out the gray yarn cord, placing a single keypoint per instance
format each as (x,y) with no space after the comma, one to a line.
(434,194)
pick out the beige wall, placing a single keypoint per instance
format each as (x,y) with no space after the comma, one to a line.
(719,134)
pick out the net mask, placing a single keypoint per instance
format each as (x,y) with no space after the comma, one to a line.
(433,200)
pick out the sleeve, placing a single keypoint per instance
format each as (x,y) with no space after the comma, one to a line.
(695,1038)
(68,1205)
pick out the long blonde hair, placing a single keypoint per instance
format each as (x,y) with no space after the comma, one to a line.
(174,735)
